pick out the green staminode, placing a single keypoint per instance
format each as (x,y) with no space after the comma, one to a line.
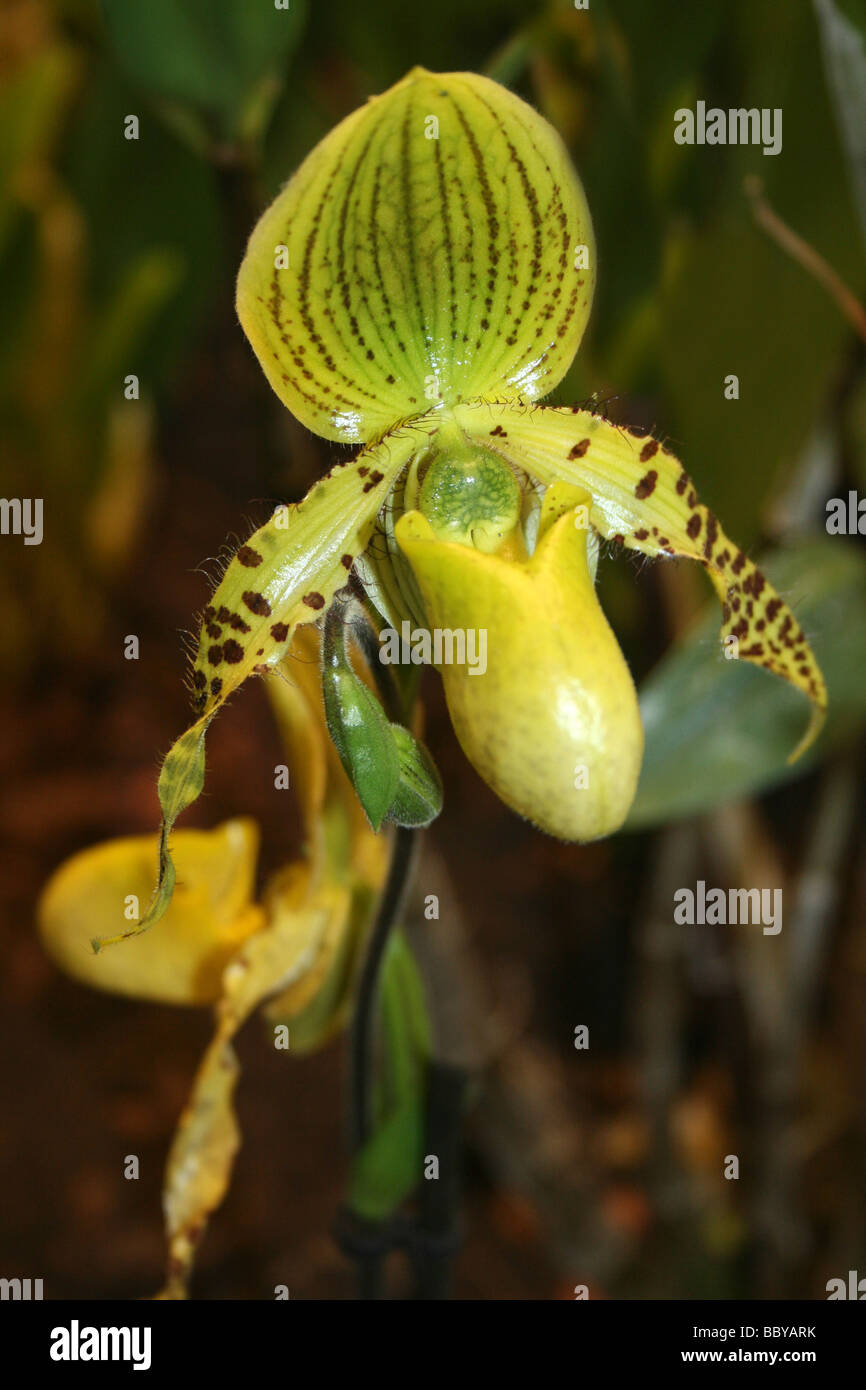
(474,499)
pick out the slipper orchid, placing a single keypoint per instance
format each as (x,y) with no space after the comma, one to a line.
(417,287)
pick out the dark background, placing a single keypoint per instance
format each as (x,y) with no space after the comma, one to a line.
(601,1167)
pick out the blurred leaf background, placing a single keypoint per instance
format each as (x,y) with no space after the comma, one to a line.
(117,260)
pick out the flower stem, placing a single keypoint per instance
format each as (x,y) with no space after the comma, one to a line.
(361,1040)
(364,1241)
(436,1236)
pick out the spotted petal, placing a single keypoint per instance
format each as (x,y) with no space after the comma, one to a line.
(282,577)
(435,246)
(643,497)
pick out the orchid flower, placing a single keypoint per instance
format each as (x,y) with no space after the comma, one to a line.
(419,285)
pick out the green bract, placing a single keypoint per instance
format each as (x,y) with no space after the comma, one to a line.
(392,772)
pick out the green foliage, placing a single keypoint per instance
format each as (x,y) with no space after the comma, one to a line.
(222,62)
(733,302)
(144,197)
(843,36)
(388,1168)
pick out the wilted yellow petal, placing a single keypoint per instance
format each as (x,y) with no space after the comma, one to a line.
(210,915)
(200,1162)
(316,1006)
(552,723)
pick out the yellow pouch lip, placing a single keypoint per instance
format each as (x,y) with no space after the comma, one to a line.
(556,695)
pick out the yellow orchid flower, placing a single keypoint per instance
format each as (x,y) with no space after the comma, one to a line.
(417,287)
(295,953)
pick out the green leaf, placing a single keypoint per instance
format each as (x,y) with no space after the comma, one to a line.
(844,43)
(388,1167)
(723,275)
(144,199)
(717,730)
(123,323)
(358,726)
(31,107)
(212,56)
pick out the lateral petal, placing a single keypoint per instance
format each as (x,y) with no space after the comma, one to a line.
(283,576)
